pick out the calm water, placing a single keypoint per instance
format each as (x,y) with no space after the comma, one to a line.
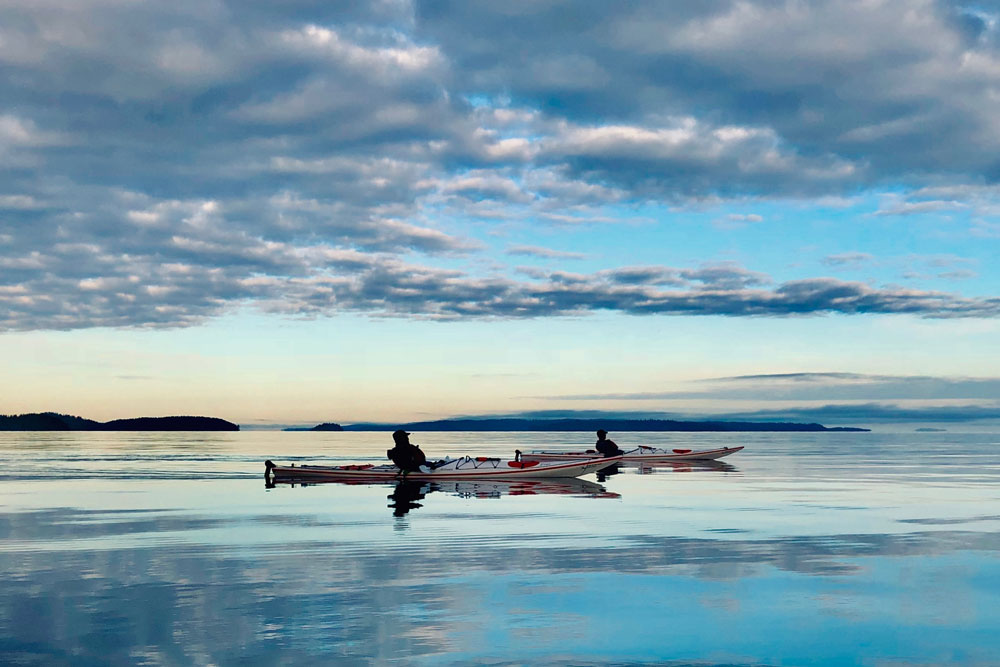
(804,549)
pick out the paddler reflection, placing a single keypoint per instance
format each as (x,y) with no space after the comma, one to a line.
(405,496)
(610,471)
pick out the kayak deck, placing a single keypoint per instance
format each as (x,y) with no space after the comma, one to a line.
(642,453)
(466,467)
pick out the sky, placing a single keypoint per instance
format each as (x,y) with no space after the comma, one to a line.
(396,210)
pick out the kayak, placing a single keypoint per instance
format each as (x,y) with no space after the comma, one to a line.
(641,454)
(466,467)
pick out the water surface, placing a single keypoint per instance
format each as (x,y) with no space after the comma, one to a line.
(804,549)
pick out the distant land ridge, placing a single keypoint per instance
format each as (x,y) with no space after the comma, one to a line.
(52,421)
(592,424)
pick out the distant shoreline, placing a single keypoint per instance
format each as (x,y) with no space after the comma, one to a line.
(52,421)
(589,424)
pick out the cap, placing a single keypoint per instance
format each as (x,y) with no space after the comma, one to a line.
(601,432)
(399,433)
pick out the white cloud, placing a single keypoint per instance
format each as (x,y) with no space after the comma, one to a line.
(546,253)
(920,207)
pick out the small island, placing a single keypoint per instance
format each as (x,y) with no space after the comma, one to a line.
(53,421)
(328,426)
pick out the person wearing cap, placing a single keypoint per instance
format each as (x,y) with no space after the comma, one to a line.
(606,446)
(405,455)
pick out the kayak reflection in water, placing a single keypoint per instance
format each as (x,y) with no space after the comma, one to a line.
(407,492)
(605,446)
(405,496)
(405,455)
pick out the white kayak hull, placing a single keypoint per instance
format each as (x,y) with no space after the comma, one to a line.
(463,468)
(638,455)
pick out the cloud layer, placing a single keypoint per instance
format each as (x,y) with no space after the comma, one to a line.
(160,165)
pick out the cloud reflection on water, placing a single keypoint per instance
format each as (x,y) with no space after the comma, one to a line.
(182,603)
(802,559)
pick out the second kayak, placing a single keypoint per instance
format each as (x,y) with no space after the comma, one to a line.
(641,454)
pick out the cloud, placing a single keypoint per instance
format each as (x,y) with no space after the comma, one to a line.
(943,267)
(886,89)
(613,92)
(963,274)
(861,386)
(970,198)
(479,185)
(745,217)
(945,261)
(737,220)
(820,386)
(875,412)
(393,288)
(190,278)
(677,158)
(848,259)
(920,207)
(727,276)
(546,253)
